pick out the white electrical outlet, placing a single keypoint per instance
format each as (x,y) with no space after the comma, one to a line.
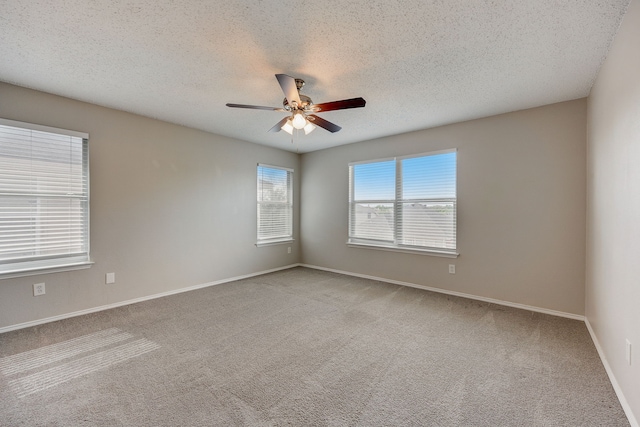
(452,269)
(110,278)
(38,289)
(628,352)
(289,250)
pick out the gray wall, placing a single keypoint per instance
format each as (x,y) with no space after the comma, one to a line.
(521,208)
(171,207)
(613,233)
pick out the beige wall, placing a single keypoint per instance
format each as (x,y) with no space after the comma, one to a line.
(521,208)
(171,207)
(613,237)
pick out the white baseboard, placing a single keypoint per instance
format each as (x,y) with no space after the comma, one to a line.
(612,378)
(135,300)
(454,293)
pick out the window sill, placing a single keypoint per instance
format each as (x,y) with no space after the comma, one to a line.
(428,252)
(274,242)
(45,270)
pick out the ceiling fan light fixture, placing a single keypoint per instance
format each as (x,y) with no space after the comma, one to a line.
(288,127)
(299,106)
(299,121)
(308,128)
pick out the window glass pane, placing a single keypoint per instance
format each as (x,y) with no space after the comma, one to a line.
(31,227)
(274,221)
(429,224)
(372,221)
(429,177)
(273,185)
(375,181)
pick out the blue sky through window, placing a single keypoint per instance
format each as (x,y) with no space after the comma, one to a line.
(375,181)
(424,177)
(272,174)
(429,177)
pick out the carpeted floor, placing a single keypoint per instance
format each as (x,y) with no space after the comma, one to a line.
(306,348)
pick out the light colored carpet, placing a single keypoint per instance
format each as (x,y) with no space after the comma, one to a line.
(306,348)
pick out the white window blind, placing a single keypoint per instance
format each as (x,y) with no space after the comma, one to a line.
(275,204)
(44,197)
(406,202)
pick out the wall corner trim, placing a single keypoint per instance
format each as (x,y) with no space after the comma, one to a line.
(612,378)
(136,300)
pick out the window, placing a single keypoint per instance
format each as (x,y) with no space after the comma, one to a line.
(406,203)
(44,198)
(275,204)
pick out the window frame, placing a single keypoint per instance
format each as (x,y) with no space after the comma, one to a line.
(395,245)
(289,203)
(27,266)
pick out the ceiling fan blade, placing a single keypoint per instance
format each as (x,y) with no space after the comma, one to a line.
(288,85)
(255,107)
(319,121)
(340,105)
(279,125)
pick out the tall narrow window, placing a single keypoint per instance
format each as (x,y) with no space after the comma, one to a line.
(275,204)
(44,198)
(404,203)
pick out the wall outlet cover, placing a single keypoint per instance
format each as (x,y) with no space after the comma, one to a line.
(38,289)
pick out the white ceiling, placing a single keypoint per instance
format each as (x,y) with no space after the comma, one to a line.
(418,63)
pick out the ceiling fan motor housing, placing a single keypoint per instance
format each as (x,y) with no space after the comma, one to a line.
(305,104)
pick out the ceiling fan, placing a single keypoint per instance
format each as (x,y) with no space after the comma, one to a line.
(302,109)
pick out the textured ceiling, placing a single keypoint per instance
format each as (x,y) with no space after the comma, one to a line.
(418,63)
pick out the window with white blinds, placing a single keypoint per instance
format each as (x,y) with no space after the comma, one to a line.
(405,202)
(44,198)
(275,204)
